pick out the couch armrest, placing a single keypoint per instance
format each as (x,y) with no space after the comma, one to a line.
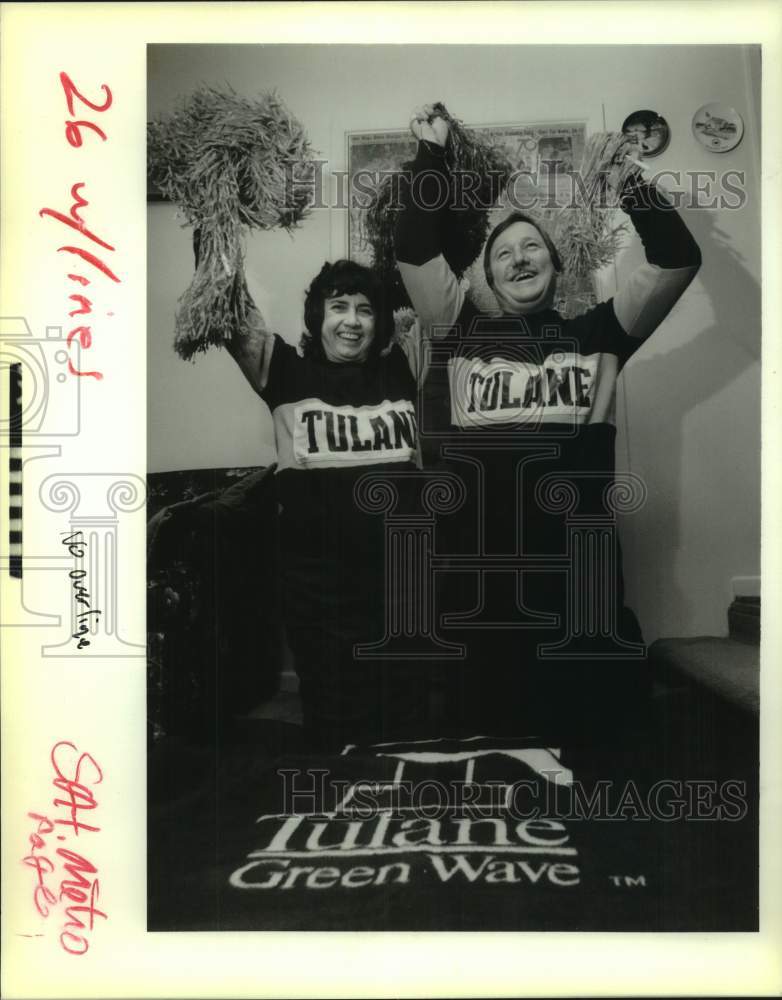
(725,667)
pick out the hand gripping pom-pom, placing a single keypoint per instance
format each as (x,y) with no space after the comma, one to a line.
(466,229)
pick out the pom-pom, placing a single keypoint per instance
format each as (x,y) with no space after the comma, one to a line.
(465,226)
(585,237)
(229,164)
(583,229)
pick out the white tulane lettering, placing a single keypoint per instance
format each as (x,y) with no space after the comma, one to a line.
(354,435)
(348,840)
(418,831)
(465,827)
(502,391)
(385,831)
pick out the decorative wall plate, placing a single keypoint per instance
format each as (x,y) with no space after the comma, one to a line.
(718,127)
(650,132)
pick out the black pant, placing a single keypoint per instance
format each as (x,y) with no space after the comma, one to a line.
(332,605)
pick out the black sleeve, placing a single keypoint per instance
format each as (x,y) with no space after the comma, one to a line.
(598,331)
(418,232)
(667,241)
(282,369)
(404,368)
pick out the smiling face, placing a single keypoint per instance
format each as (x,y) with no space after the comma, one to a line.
(522,270)
(348,327)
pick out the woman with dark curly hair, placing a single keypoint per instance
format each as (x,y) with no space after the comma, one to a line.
(344,278)
(344,405)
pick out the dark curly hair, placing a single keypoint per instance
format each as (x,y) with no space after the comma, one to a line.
(345,277)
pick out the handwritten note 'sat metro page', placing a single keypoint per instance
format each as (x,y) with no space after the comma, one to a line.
(65,879)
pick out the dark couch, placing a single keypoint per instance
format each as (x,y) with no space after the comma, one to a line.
(214,617)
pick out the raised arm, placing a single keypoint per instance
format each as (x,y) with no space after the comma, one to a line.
(253,352)
(672,261)
(430,282)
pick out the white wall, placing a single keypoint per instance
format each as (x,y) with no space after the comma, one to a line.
(689,412)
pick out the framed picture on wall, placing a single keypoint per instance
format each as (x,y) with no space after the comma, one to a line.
(543,156)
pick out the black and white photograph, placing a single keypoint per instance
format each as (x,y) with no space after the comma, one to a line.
(454,552)
(389,451)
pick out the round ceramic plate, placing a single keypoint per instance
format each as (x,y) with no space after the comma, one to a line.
(649,131)
(718,127)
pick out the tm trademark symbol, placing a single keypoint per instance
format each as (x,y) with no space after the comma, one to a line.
(628,880)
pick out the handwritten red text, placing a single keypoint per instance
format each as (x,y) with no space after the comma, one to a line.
(73,879)
(73,219)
